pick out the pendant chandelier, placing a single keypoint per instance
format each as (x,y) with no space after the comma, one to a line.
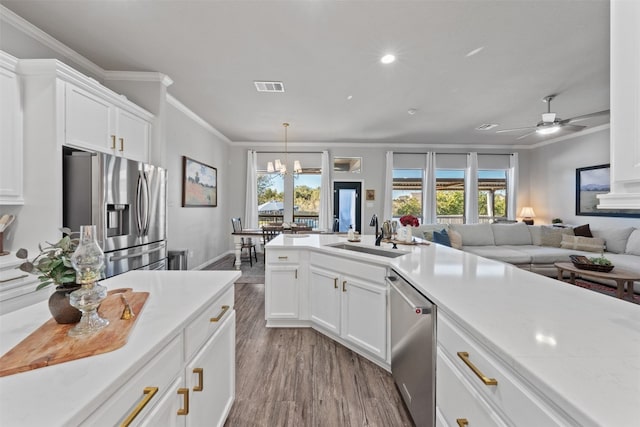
(280,167)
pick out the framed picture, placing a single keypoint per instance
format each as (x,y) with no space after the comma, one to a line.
(590,182)
(199,184)
(370,194)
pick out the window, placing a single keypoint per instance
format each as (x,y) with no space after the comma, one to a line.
(306,197)
(407,193)
(450,196)
(270,198)
(492,194)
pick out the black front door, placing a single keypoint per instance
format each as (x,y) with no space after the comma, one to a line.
(347,206)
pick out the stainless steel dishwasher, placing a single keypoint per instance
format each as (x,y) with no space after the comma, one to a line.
(413,349)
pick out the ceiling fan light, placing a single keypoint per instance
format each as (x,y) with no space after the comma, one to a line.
(548,117)
(270,168)
(548,130)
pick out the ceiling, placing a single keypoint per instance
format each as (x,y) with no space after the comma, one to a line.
(325,51)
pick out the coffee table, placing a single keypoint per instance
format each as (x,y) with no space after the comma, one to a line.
(621,277)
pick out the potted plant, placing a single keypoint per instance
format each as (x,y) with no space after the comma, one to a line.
(53,266)
(556,221)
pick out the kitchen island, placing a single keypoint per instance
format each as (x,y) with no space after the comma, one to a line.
(183,338)
(561,355)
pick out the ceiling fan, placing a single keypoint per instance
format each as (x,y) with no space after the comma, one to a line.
(551,123)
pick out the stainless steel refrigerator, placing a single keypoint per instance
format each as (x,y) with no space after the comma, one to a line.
(126,200)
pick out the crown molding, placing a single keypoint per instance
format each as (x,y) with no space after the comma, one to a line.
(384,146)
(31,30)
(139,76)
(571,136)
(196,118)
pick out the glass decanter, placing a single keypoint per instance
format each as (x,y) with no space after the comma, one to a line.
(88,260)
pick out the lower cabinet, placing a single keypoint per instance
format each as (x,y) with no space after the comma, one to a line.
(282,292)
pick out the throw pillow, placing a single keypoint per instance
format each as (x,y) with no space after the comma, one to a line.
(633,244)
(582,230)
(581,243)
(552,236)
(615,238)
(441,237)
(456,239)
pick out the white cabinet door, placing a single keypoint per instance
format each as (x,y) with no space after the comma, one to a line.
(88,120)
(364,315)
(11,144)
(132,135)
(282,299)
(165,413)
(210,378)
(324,294)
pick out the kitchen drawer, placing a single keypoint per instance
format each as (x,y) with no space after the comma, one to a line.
(513,399)
(203,326)
(158,372)
(275,256)
(458,400)
(363,270)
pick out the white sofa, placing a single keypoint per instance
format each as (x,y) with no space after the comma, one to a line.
(537,248)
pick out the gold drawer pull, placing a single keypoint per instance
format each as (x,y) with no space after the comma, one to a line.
(185,401)
(219,316)
(283,257)
(462,422)
(344,286)
(486,380)
(296,273)
(22,276)
(335,283)
(200,373)
(121,144)
(113,142)
(148,394)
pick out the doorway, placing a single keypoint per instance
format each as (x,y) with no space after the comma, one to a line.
(347,206)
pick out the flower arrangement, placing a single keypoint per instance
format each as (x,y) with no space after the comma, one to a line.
(53,264)
(410,220)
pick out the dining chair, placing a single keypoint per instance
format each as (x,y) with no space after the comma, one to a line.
(246,243)
(268,233)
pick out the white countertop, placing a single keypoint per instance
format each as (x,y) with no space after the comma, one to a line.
(51,395)
(581,349)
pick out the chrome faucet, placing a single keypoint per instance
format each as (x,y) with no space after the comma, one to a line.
(374,222)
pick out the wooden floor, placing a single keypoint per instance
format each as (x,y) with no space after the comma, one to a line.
(299,377)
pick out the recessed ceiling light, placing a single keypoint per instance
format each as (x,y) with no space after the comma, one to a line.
(412,111)
(349,98)
(474,51)
(388,59)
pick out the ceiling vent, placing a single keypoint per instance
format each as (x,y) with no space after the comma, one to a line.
(269,86)
(487,126)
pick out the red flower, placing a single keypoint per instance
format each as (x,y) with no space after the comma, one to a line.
(410,220)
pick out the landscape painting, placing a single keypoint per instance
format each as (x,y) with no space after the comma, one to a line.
(200,184)
(590,182)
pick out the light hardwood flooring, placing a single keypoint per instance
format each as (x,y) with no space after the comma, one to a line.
(299,377)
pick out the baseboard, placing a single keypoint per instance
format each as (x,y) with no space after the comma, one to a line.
(212,260)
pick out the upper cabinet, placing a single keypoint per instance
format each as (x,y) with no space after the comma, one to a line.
(11,174)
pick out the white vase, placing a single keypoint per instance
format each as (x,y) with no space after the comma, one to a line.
(408,235)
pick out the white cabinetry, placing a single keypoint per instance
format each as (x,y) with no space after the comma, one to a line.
(17,288)
(283,282)
(475,385)
(11,165)
(353,308)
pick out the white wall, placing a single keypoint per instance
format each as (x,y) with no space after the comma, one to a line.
(204,231)
(552,179)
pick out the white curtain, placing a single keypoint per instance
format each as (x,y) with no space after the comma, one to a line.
(471,190)
(325,220)
(512,187)
(429,190)
(251,202)
(388,188)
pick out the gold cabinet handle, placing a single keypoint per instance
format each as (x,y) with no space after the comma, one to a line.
(283,257)
(486,380)
(335,283)
(22,276)
(462,422)
(113,142)
(185,401)
(344,286)
(148,394)
(219,316)
(296,275)
(121,144)
(200,373)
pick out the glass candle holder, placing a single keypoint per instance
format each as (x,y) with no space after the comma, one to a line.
(88,260)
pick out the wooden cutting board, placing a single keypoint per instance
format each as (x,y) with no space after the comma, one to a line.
(50,344)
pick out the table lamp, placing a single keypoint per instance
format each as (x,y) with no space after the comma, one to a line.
(527,215)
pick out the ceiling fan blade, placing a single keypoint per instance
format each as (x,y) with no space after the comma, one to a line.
(526,135)
(515,129)
(585,116)
(573,128)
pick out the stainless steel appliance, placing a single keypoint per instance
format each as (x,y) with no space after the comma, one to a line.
(125,199)
(413,349)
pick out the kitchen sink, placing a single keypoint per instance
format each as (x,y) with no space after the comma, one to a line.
(368,250)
